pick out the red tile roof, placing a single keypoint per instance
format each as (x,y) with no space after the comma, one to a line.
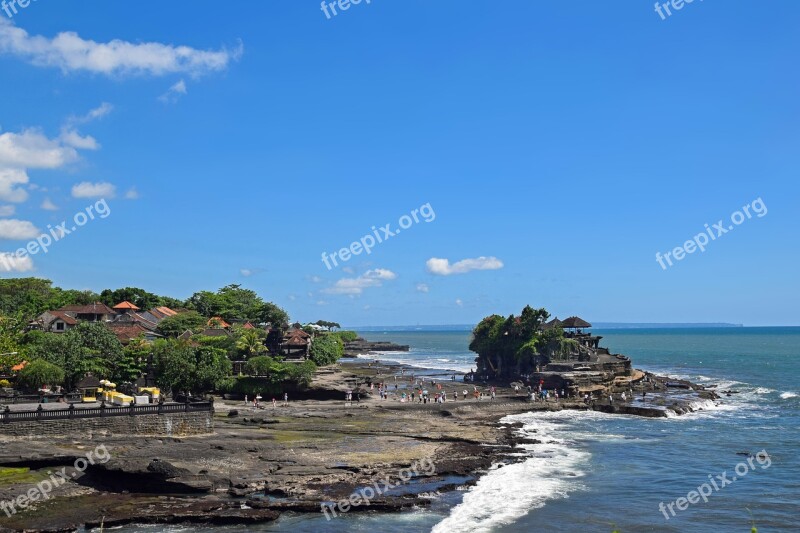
(127,332)
(61,315)
(96,308)
(217,321)
(163,312)
(126,305)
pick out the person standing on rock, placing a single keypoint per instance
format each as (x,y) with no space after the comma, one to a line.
(286,399)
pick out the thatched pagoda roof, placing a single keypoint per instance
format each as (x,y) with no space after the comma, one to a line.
(575,322)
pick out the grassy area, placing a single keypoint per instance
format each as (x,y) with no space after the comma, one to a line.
(12,476)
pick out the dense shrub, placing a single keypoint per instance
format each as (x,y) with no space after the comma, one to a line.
(326,349)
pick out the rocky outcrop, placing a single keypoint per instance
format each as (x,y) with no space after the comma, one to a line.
(361,346)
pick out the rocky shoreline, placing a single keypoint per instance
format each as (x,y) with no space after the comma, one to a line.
(262,463)
(361,347)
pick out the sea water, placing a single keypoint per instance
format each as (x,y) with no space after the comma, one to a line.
(597,472)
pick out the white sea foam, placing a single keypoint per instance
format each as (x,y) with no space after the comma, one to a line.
(553,470)
(787,395)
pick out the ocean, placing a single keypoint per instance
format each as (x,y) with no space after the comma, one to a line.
(599,473)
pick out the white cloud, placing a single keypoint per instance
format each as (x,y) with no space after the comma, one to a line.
(442,267)
(48,205)
(322,302)
(71,53)
(29,149)
(292,297)
(247,272)
(459,302)
(355,286)
(71,137)
(97,113)
(7,210)
(132,194)
(11,263)
(32,149)
(423,287)
(10,179)
(349,270)
(12,229)
(94,190)
(174,93)
(315,279)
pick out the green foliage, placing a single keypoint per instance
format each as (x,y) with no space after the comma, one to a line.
(515,344)
(38,373)
(250,342)
(4,383)
(234,303)
(175,326)
(330,325)
(133,361)
(30,297)
(138,297)
(260,366)
(326,350)
(281,376)
(183,367)
(346,336)
(79,351)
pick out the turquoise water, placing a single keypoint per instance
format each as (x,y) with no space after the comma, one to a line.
(594,471)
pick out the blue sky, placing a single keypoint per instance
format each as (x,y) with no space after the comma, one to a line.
(560,145)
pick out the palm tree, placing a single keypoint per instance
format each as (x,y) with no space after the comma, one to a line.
(250,343)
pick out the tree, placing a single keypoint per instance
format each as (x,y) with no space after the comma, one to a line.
(138,297)
(251,342)
(326,350)
(233,303)
(133,361)
(259,366)
(175,365)
(174,326)
(183,367)
(518,344)
(39,373)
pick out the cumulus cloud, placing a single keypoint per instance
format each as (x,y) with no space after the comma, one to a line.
(423,287)
(17,230)
(48,205)
(174,93)
(71,53)
(356,286)
(32,149)
(12,263)
(71,137)
(93,190)
(442,267)
(10,181)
